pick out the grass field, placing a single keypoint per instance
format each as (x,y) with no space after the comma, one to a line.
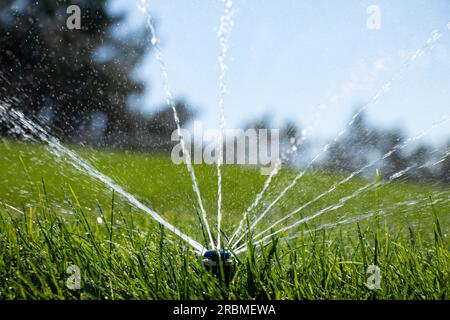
(52,216)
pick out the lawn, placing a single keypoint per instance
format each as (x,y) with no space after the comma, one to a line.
(54,217)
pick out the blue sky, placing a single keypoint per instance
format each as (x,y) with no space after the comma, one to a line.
(287,57)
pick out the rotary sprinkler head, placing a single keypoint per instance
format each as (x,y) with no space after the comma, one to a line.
(219,262)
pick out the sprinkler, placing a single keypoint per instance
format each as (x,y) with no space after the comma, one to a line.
(219,262)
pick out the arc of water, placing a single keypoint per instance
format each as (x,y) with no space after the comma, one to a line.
(435,36)
(442,159)
(340,203)
(10,206)
(258,198)
(319,110)
(171,103)
(369,214)
(354,174)
(304,136)
(16,118)
(226,25)
(366,187)
(364,216)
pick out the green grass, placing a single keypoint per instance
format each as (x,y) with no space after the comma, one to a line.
(126,255)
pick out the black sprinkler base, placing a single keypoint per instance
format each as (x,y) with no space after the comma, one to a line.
(220,263)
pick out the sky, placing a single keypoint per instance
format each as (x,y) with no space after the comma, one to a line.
(286,58)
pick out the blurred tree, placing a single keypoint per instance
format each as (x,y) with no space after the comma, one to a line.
(290,131)
(386,141)
(77,82)
(444,170)
(257,123)
(292,148)
(417,159)
(363,144)
(353,150)
(162,122)
(292,145)
(153,131)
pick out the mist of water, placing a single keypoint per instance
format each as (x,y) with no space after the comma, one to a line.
(356,193)
(31,130)
(171,103)
(396,148)
(319,111)
(429,45)
(384,211)
(226,25)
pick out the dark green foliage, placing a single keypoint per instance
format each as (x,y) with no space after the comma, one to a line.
(78,83)
(49,66)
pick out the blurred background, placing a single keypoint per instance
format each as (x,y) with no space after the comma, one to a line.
(302,67)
